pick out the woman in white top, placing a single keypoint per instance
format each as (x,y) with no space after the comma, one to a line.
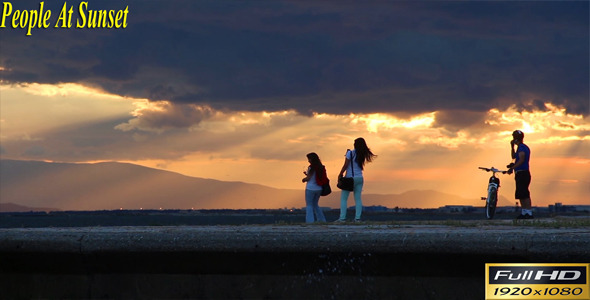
(354,164)
(313,190)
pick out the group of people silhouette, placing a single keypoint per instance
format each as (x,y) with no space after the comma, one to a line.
(361,154)
(354,164)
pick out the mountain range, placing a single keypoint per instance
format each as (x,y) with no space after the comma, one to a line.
(114,185)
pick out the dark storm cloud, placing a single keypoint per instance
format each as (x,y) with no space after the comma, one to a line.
(321,56)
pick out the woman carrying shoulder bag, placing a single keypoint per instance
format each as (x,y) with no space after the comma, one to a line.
(313,190)
(353,166)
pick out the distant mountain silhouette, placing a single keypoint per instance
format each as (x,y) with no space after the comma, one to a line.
(11,207)
(113,185)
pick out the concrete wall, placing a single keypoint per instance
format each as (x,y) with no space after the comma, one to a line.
(271,262)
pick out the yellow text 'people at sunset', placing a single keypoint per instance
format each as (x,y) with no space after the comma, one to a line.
(41,17)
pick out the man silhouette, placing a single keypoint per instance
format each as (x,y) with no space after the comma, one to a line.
(522,176)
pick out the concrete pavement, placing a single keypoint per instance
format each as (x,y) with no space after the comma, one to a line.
(368,261)
(537,243)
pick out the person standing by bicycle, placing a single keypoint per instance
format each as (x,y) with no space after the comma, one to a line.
(522,176)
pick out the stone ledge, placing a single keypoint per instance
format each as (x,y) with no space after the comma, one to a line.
(543,244)
(271,261)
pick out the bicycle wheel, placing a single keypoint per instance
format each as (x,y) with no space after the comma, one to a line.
(491,203)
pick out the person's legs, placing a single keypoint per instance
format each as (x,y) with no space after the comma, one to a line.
(522,193)
(343,204)
(309,206)
(319,214)
(526,209)
(526,202)
(358,189)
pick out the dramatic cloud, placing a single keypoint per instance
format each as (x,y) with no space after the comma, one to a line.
(324,57)
(162,115)
(242,90)
(416,151)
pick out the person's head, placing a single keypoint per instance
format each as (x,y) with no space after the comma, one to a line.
(314,159)
(518,136)
(363,152)
(360,143)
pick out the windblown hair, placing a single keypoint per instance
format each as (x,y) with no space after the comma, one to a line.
(363,153)
(316,163)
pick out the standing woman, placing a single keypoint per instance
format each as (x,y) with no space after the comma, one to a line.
(354,164)
(313,190)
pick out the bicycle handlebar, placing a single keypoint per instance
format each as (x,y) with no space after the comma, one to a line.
(492,169)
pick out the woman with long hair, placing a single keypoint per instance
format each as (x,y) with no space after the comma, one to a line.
(354,165)
(313,190)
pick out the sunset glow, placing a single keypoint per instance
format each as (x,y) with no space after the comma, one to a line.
(376,122)
(219,93)
(272,152)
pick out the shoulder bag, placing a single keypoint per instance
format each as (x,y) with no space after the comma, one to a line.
(347,183)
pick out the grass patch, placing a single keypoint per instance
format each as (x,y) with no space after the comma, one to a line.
(540,223)
(554,223)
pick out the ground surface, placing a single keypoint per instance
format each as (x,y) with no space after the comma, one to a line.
(261,256)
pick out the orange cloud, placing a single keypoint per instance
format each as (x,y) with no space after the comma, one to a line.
(415,151)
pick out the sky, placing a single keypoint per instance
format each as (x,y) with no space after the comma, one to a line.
(243,90)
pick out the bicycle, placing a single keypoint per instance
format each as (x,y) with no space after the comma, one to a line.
(493,185)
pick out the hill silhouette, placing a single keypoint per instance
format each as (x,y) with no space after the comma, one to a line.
(113,185)
(11,207)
